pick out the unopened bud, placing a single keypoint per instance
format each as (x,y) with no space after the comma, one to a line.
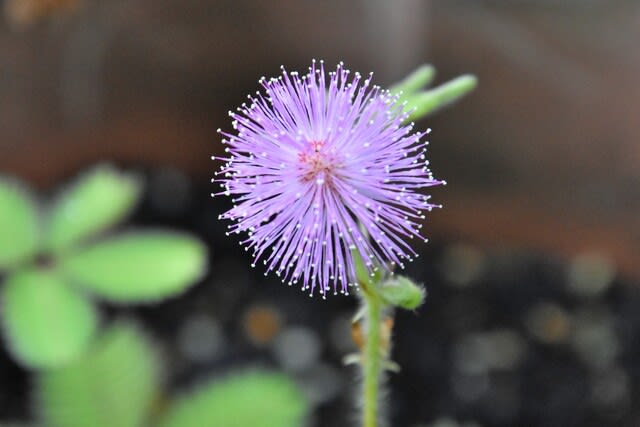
(401,292)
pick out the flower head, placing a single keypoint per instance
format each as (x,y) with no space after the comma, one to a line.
(321,165)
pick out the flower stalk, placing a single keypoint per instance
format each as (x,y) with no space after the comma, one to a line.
(380,293)
(373,356)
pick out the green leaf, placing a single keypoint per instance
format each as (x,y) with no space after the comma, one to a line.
(95,202)
(425,103)
(113,385)
(401,292)
(46,323)
(417,80)
(138,267)
(250,399)
(18,225)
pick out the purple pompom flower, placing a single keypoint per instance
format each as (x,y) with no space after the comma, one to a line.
(321,165)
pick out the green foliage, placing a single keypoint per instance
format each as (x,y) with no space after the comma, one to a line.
(400,291)
(251,399)
(138,267)
(97,201)
(422,103)
(397,291)
(46,323)
(428,102)
(113,385)
(18,225)
(417,80)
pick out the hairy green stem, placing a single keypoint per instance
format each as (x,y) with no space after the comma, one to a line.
(372,356)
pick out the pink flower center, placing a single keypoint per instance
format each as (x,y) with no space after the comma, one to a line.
(317,163)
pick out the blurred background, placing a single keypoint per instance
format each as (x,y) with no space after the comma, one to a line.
(533,314)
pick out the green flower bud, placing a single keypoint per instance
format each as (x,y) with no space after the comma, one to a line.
(401,292)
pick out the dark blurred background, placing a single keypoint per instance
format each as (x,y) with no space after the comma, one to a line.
(540,233)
